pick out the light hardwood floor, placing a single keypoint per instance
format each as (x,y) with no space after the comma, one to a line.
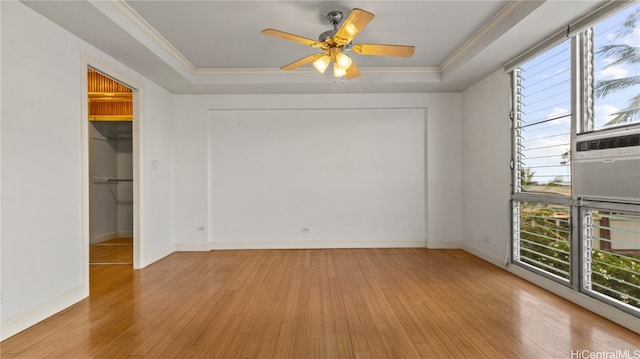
(342,303)
(113,251)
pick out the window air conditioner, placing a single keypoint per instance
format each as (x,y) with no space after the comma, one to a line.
(607,165)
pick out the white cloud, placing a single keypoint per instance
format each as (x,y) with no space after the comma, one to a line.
(632,38)
(605,109)
(555,73)
(602,114)
(623,70)
(557,111)
(551,138)
(613,72)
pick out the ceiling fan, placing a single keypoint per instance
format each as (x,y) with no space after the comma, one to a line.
(335,42)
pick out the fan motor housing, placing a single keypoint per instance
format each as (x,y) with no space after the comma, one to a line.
(334,18)
(326,35)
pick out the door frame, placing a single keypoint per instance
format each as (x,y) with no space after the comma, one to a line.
(133,81)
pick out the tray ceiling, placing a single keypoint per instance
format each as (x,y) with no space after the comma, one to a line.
(216,46)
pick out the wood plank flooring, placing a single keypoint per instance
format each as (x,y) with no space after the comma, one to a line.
(113,251)
(342,303)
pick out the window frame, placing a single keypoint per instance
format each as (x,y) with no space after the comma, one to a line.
(544,198)
(584,205)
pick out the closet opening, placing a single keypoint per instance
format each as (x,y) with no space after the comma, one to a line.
(111,174)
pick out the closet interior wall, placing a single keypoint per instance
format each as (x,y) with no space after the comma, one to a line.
(112,167)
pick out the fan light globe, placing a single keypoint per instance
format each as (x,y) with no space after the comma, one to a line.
(322,63)
(338,71)
(351,29)
(343,60)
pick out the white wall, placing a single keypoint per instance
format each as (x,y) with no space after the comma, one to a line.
(444,170)
(111,202)
(44,255)
(195,171)
(104,206)
(351,177)
(124,189)
(157,175)
(41,214)
(486,148)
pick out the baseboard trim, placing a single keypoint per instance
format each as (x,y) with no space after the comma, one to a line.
(191,247)
(125,234)
(20,322)
(613,314)
(158,255)
(111,235)
(443,245)
(98,238)
(312,245)
(489,257)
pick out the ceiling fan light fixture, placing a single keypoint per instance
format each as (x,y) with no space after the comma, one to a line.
(343,61)
(338,71)
(339,39)
(322,63)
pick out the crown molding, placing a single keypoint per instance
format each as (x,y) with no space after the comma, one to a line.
(505,19)
(236,71)
(309,75)
(135,25)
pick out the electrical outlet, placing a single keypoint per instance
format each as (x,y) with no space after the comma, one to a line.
(200,228)
(305,230)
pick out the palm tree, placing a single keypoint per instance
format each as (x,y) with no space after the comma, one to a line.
(622,54)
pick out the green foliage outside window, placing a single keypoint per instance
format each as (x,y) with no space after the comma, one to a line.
(616,276)
(544,243)
(544,239)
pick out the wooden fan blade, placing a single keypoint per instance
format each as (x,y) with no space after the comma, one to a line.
(355,22)
(384,50)
(352,72)
(291,37)
(303,61)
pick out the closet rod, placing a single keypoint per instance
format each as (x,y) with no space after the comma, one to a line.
(107,180)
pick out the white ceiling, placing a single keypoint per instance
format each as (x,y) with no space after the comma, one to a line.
(216,46)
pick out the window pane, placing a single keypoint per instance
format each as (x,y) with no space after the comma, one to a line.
(543,122)
(616,43)
(542,238)
(613,269)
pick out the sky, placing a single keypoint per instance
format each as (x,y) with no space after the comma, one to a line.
(606,33)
